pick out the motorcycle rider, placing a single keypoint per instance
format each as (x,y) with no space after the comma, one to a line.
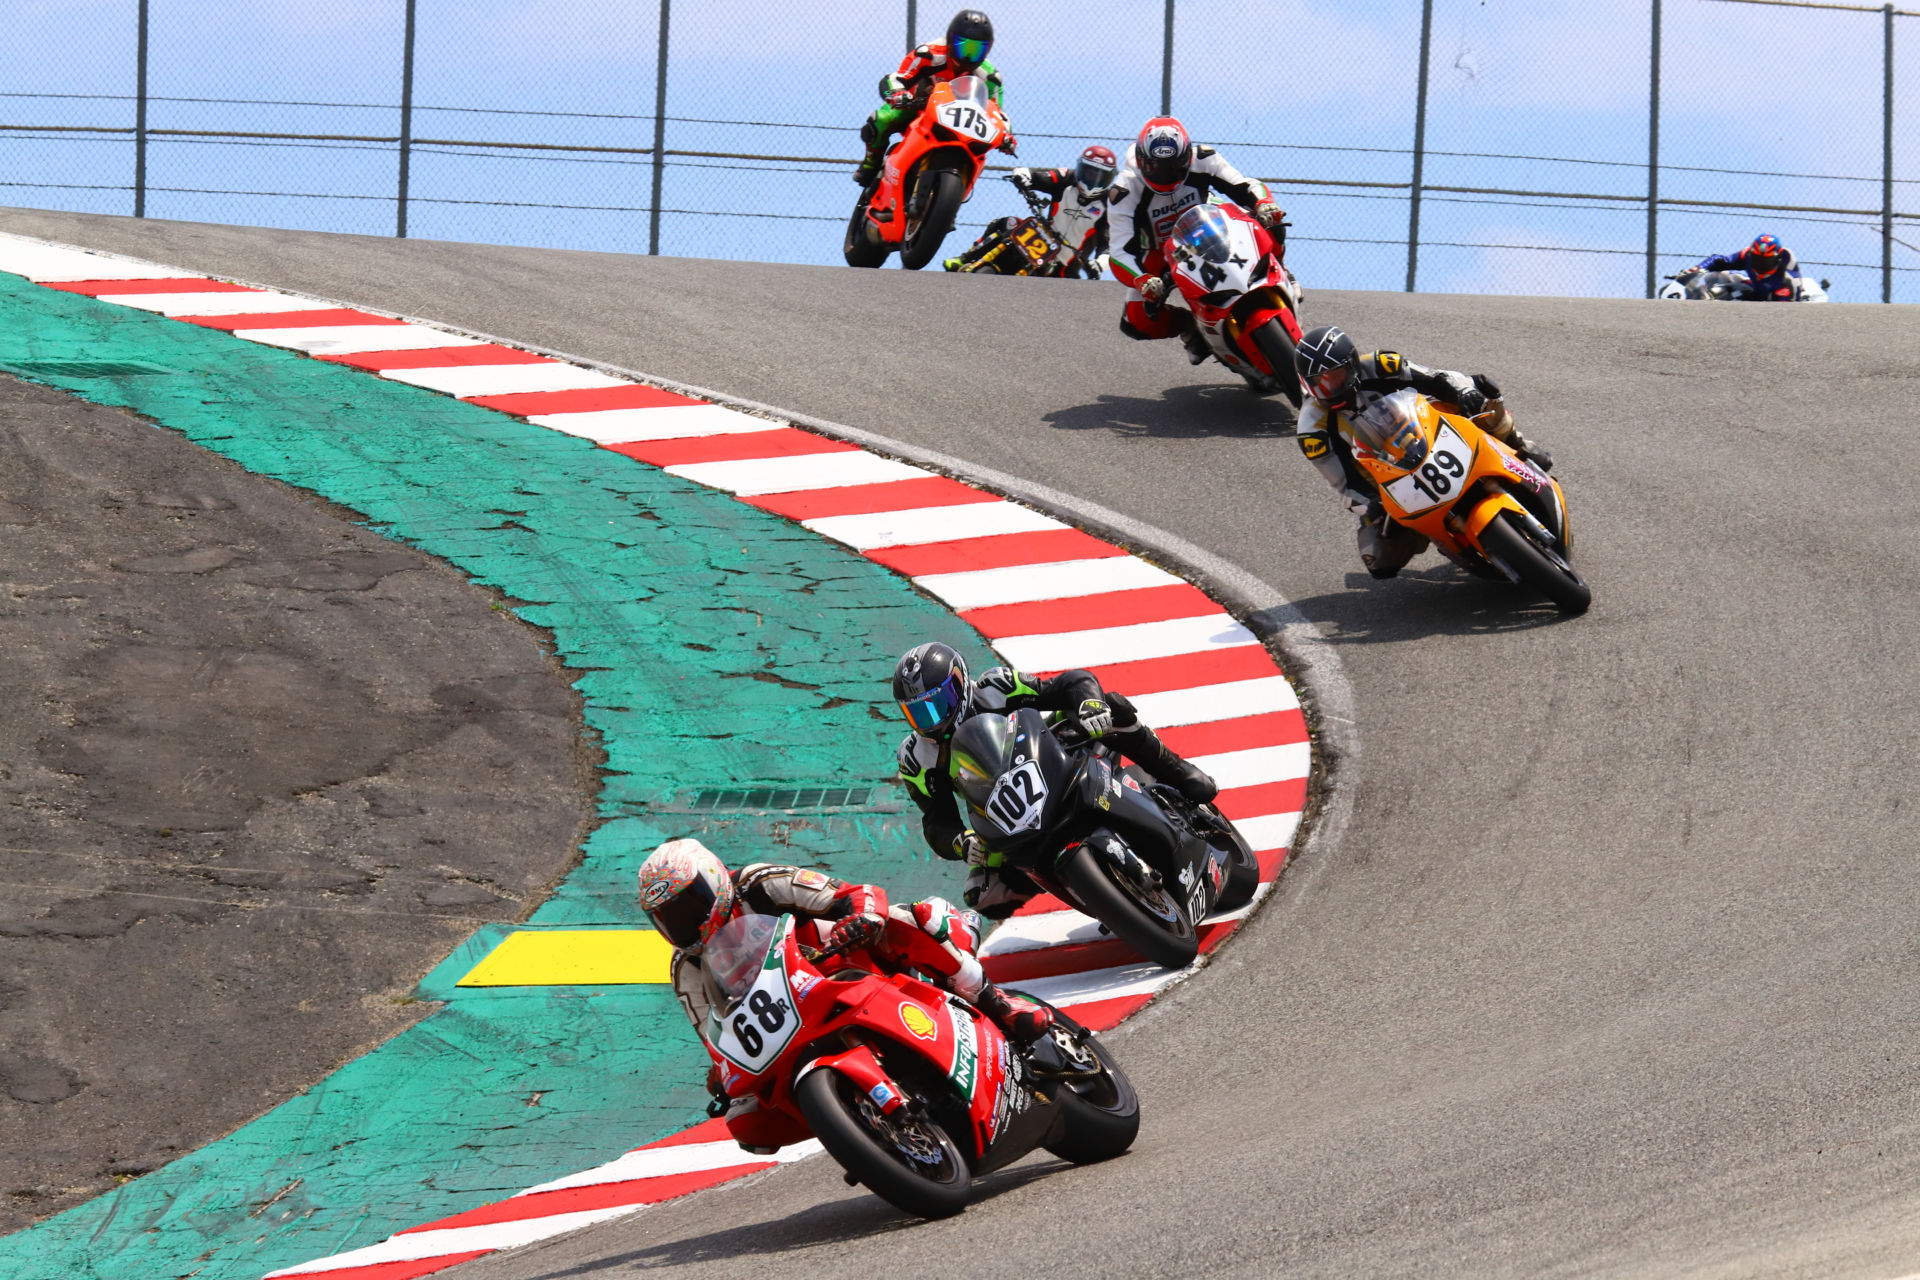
(1341,381)
(969,37)
(689,894)
(1165,175)
(1078,214)
(1773,273)
(935,694)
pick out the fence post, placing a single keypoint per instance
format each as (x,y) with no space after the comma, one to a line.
(140,120)
(1653,160)
(406,121)
(913,24)
(1419,146)
(659,129)
(1886,170)
(1166,65)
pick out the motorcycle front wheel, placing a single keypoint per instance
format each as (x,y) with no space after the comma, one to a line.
(910,1162)
(1147,918)
(862,247)
(1276,346)
(945,190)
(1539,569)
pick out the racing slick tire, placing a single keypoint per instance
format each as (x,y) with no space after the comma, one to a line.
(946,191)
(862,248)
(1161,931)
(930,1180)
(1101,1114)
(1276,347)
(1539,569)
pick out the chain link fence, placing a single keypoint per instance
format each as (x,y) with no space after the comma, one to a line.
(1456,145)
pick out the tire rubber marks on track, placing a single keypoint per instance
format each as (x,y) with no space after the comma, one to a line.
(1047,595)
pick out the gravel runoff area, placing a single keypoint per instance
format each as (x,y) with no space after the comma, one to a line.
(259,769)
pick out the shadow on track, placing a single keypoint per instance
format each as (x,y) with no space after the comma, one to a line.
(861,1216)
(1437,600)
(1181,413)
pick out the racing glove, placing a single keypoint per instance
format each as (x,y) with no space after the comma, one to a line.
(1011,145)
(1153,289)
(1272,217)
(1471,401)
(856,932)
(1021,177)
(970,849)
(1095,717)
(1487,386)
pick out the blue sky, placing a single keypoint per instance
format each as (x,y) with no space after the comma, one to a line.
(1291,90)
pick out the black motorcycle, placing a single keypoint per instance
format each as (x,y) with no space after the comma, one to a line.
(1030,247)
(1138,857)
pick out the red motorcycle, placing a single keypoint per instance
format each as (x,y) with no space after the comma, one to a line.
(910,1088)
(927,176)
(1236,282)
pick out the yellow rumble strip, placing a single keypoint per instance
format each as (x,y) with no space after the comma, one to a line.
(572,957)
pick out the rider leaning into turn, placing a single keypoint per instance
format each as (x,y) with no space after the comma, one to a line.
(1340,381)
(1165,175)
(937,697)
(969,37)
(1078,214)
(689,893)
(1773,273)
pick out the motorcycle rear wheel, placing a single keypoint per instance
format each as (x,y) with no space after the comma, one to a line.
(1167,937)
(1557,581)
(862,248)
(1102,1114)
(1276,345)
(871,1147)
(946,190)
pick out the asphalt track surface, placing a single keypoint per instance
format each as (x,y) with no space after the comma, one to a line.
(1611,967)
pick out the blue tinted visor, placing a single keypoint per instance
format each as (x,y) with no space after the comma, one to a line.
(935,710)
(970,53)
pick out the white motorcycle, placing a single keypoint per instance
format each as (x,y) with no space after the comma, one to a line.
(1731,286)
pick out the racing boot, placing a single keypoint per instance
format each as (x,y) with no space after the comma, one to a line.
(1198,352)
(1497,421)
(1143,746)
(869,169)
(1022,1020)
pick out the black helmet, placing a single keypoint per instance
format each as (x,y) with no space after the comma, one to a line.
(1327,361)
(969,36)
(931,685)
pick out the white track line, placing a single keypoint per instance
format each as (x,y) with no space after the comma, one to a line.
(920,525)
(357,339)
(1257,765)
(668,422)
(1103,645)
(471,381)
(210,304)
(660,1162)
(788,475)
(1228,700)
(1028,582)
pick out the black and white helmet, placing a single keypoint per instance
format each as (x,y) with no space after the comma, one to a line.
(1327,362)
(930,683)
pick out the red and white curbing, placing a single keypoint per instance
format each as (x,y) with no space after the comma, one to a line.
(1047,596)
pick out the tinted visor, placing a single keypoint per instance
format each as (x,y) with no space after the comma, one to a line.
(934,710)
(967,52)
(1165,171)
(1329,385)
(679,919)
(1091,175)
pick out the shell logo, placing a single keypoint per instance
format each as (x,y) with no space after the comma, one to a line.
(916,1021)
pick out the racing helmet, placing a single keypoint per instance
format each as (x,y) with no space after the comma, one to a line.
(969,37)
(1164,153)
(1327,362)
(686,891)
(1765,257)
(930,683)
(1094,172)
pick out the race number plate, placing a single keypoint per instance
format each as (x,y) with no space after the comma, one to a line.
(758,1029)
(1438,479)
(964,117)
(1018,798)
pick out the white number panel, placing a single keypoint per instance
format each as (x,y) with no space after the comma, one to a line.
(1018,798)
(1439,478)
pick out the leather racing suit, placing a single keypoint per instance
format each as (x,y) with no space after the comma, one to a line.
(926,768)
(1385,547)
(904,95)
(1142,218)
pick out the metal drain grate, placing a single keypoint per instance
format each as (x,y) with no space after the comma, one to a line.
(782,798)
(88,368)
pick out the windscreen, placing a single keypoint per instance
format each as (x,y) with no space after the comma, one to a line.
(1202,232)
(969,89)
(1390,426)
(738,950)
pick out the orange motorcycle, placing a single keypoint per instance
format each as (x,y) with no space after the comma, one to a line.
(1481,505)
(929,173)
